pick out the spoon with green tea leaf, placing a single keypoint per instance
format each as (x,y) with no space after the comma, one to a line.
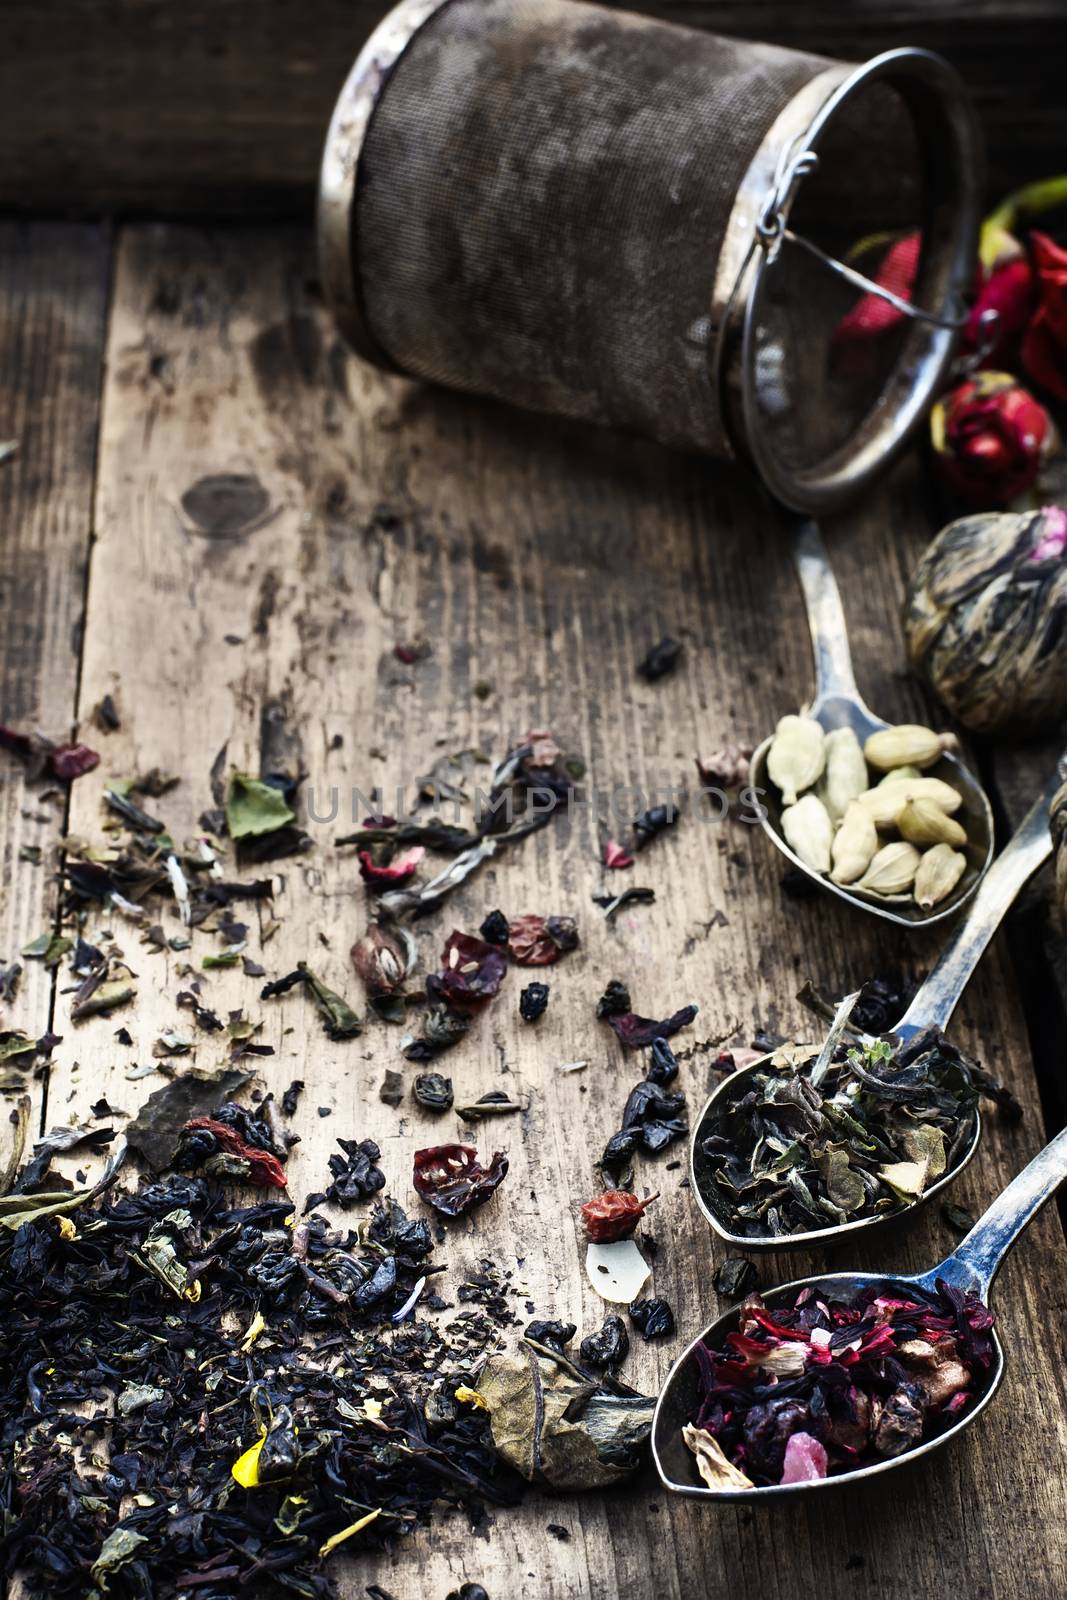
(887,818)
(844,1376)
(810,1143)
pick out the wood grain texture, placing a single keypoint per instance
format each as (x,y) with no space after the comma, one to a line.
(53,311)
(207,108)
(542,560)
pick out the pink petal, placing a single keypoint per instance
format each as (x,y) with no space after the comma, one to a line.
(616,856)
(805,1459)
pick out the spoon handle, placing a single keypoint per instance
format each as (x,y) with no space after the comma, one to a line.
(977,1258)
(826,615)
(1018,861)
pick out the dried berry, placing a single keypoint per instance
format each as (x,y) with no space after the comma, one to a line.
(450,1177)
(613,1215)
(653,1319)
(471,971)
(607,1349)
(495,930)
(433,1091)
(533,1001)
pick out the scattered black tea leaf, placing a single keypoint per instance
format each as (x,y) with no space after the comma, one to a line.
(606,1350)
(651,823)
(736,1278)
(554,1334)
(664,1065)
(433,1091)
(662,659)
(957,1217)
(392,1087)
(613,903)
(441,1029)
(356,1175)
(291,1097)
(614,1002)
(533,1001)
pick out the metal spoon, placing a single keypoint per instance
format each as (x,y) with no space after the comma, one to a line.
(837,704)
(932,1006)
(973,1265)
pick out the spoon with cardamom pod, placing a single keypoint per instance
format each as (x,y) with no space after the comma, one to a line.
(793,1391)
(886,817)
(810,1143)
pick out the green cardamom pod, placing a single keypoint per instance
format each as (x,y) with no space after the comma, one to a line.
(845,777)
(808,829)
(893,869)
(854,844)
(909,745)
(938,873)
(797,756)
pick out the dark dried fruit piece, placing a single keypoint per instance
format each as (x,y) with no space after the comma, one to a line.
(539,941)
(471,971)
(533,1001)
(614,1002)
(639,1032)
(651,823)
(653,1319)
(554,1334)
(450,1177)
(664,1065)
(494,930)
(607,1349)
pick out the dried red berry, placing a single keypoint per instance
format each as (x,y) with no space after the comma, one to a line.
(613,1215)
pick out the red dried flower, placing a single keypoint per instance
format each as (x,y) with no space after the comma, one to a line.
(450,1177)
(1044,350)
(991,437)
(264,1170)
(1002,309)
(616,856)
(871,316)
(471,970)
(398,871)
(613,1215)
(539,941)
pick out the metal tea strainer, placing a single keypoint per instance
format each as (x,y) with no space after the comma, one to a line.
(605,217)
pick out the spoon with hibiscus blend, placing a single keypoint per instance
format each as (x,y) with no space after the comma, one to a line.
(810,1143)
(844,1376)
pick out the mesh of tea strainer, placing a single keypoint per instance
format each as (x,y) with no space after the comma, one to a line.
(580,211)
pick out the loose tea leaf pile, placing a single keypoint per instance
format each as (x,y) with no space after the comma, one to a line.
(210,1399)
(789,1153)
(821,1387)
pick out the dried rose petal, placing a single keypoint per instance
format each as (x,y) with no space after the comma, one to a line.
(69,761)
(639,1032)
(616,856)
(539,941)
(805,1459)
(450,1177)
(397,871)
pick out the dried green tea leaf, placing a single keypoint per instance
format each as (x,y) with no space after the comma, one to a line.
(107,996)
(120,1546)
(16,1044)
(557,1426)
(254,807)
(15,1209)
(49,948)
(843,1186)
(925,1143)
(341,1021)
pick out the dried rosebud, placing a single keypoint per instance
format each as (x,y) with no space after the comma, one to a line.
(987,597)
(1003,307)
(1044,351)
(383,958)
(613,1215)
(991,437)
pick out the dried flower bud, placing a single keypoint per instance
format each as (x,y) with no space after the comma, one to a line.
(923,822)
(909,745)
(384,957)
(893,869)
(797,756)
(1044,349)
(937,874)
(809,831)
(991,437)
(984,609)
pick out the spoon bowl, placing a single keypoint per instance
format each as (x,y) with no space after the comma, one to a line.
(932,1007)
(973,1265)
(838,704)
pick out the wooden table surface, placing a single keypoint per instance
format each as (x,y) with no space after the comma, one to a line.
(541,560)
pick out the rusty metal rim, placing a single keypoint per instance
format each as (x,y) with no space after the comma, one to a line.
(942,114)
(339,173)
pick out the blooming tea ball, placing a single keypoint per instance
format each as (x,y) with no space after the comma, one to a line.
(985,619)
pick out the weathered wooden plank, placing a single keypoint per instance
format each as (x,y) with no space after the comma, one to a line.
(542,560)
(53,306)
(208,109)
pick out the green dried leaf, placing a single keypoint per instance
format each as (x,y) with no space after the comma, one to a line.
(225,958)
(120,1546)
(15,1209)
(254,807)
(341,1021)
(843,1186)
(49,948)
(16,1044)
(107,996)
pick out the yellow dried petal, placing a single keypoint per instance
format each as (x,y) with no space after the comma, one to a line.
(346,1533)
(470,1397)
(255,1328)
(245,1469)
